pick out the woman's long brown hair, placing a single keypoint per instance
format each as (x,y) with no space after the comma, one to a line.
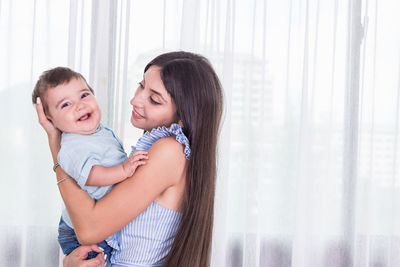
(193,84)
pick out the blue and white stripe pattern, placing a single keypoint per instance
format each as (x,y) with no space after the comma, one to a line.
(147,140)
(146,240)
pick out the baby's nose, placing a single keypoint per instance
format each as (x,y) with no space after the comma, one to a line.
(79,106)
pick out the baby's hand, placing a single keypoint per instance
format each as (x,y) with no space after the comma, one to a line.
(135,160)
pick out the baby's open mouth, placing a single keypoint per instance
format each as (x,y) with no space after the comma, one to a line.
(84,117)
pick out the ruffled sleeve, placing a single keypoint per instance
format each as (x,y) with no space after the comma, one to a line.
(147,140)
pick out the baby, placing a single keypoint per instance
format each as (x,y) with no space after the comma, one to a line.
(90,152)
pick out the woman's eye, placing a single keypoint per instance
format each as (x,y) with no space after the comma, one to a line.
(84,95)
(141,85)
(153,101)
(66,104)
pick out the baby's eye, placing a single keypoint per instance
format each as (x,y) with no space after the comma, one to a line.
(141,85)
(84,95)
(66,104)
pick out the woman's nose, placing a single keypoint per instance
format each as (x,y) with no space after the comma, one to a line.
(137,99)
(132,101)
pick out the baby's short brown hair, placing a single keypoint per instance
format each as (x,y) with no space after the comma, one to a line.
(52,78)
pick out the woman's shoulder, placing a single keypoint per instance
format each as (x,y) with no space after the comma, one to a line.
(167,148)
(174,133)
(166,162)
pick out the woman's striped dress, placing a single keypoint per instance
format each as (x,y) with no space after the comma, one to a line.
(147,240)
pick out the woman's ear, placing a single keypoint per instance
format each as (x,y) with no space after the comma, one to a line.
(180,123)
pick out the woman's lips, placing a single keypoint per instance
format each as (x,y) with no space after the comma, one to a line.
(136,115)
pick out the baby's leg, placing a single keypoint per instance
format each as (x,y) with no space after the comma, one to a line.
(67,238)
(107,250)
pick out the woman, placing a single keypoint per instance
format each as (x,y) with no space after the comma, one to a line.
(178,88)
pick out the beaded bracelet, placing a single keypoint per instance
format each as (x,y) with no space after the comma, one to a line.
(55,166)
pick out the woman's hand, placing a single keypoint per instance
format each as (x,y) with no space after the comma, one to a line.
(53,133)
(77,257)
(44,121)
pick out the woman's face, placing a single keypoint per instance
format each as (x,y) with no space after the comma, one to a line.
(152,104)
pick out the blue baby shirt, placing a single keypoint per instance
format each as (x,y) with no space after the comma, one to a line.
(80,152)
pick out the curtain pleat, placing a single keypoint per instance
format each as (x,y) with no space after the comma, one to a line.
(33,37)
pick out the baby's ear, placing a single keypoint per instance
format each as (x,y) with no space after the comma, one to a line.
(49,118)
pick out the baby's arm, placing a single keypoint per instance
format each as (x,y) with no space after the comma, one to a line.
(103,176)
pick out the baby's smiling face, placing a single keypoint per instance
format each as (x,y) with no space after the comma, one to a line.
(73,108)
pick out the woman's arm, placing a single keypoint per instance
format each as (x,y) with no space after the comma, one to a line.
(95,221)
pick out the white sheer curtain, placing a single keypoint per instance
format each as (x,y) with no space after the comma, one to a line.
(308,157)
(308,151)
(35,36)
(30,42)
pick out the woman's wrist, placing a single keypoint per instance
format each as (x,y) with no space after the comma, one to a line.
(54,140)
(54,144)
(62,179)
(61,175)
